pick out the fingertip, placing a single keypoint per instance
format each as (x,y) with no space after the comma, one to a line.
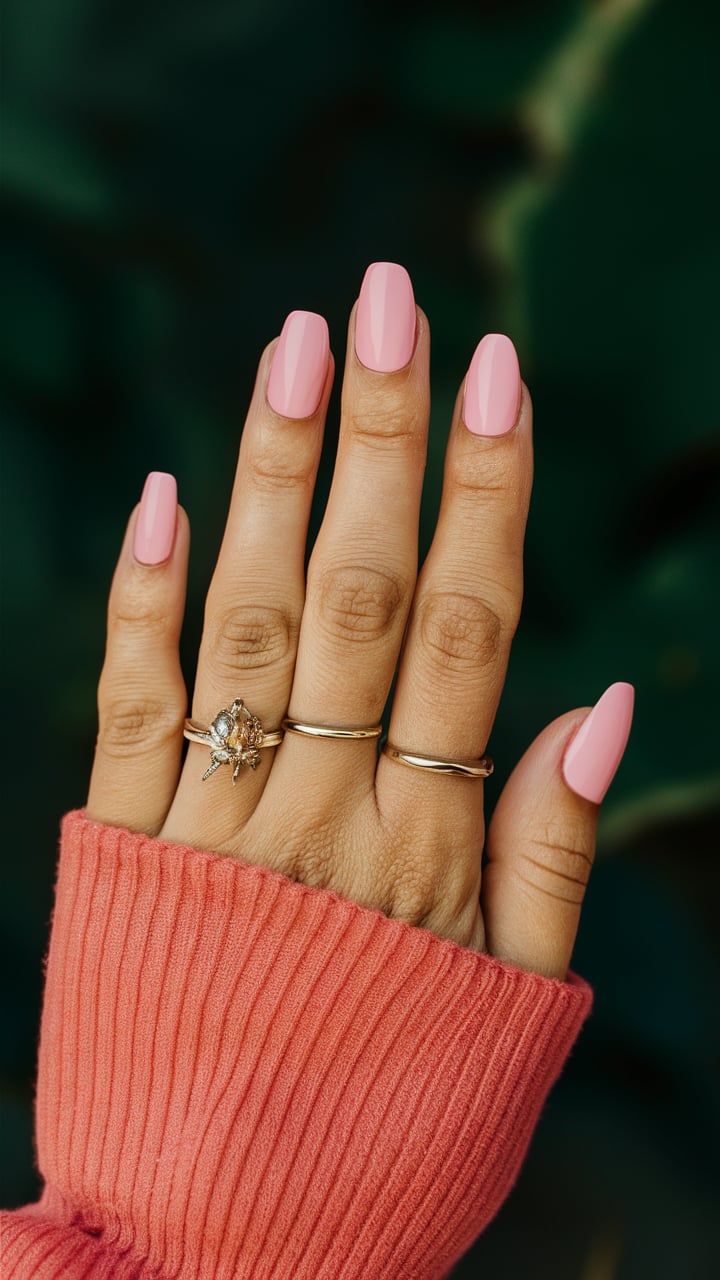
(183,524)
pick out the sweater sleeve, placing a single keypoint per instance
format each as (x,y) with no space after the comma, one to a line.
(244,1078)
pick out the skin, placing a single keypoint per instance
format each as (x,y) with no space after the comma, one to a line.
(325,649)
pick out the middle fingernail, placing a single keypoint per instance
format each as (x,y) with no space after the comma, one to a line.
(385,318)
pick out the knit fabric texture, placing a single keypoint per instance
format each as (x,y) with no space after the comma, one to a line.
(241,1077)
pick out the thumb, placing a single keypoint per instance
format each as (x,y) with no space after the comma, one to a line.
(541,841)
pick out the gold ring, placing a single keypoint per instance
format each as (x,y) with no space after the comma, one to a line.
(329,731)
(480,768)
(235,737)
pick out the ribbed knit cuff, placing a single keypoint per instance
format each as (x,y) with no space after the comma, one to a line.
(244,1077)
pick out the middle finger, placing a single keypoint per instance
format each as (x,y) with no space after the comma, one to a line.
(362,571)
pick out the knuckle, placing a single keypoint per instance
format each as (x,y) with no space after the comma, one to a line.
(248,636)
(139,613)
(460,632)
(307,853)
(273,468)
(359,603)
(412,896)
(408,883)
(312,867)
(490,473)
(384,419)
(127,726)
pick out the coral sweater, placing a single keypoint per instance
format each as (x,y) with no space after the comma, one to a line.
(244,1078)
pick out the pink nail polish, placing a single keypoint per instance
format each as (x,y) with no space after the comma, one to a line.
(595,752)
(385,318)
(299,365)
(492,387)
(157,519)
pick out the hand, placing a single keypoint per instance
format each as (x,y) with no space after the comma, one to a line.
(328,812)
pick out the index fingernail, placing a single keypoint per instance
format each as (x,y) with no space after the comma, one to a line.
(492,387)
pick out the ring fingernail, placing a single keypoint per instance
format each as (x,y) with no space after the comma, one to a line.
(157,519)
(492,387)
(595,752)
(385,318)
(299,365)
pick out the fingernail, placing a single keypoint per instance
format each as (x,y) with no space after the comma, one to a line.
(157,518)
(385,318)
(595,752)
(299,365)
(492,387)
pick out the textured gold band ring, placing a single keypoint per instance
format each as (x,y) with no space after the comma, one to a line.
(194,732)
(480,768)
(329,731)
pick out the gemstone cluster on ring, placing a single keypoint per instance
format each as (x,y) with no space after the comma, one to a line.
(237,736)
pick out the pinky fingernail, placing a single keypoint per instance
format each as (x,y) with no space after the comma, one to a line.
(157,518)
(595,752)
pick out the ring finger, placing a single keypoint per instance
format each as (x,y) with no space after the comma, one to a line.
(255,599)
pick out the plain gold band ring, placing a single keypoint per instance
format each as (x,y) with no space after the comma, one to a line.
(329,731)
(480,768)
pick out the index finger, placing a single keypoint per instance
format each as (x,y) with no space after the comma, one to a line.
(468,597)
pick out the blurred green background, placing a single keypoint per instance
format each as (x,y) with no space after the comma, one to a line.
(177,177)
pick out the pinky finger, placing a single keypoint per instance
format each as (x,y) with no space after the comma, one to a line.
(541,841)
(142,701)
